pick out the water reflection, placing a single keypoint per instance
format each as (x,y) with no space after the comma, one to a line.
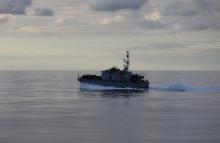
(113,93)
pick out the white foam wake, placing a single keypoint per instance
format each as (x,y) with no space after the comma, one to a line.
(184,88)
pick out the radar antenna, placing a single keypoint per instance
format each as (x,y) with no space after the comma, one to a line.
(127,62)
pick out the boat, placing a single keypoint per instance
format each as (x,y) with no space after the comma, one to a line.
(114,77)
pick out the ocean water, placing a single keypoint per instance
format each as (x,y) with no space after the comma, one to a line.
(52,107)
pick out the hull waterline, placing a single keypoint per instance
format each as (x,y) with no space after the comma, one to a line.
(134,85)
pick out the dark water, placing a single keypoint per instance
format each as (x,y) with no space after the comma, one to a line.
(49,107)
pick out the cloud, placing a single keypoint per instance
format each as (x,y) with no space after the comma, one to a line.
(191,7)
(111,20)
(59,21)
(5,18)
(153,20)
(210,6)
(115,5)
(14,6)
(18,7)
(43,12)
(181,8)
(190,15)
(202,23)
(154,16)
(178,15)
(149,24)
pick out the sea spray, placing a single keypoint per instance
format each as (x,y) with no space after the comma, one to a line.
(183,87)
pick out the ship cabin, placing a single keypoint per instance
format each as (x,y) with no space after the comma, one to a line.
(115,74)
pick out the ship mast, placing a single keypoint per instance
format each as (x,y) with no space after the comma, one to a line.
(127,62)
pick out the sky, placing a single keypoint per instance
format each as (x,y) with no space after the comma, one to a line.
(94,34)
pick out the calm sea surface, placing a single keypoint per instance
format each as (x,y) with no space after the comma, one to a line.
(49,107)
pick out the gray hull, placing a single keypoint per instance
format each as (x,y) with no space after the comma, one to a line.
(117,84)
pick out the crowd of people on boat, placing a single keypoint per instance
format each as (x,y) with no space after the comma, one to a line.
(92,77)
(136,77)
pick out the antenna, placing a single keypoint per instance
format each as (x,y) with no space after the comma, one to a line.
(127,62)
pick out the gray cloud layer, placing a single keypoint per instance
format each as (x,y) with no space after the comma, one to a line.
(18,7)
(152,24)
(115,5)
(14,6)
(185,15)
(180,8)
(175,14)
(147,14)
(191,8)
(43,12)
